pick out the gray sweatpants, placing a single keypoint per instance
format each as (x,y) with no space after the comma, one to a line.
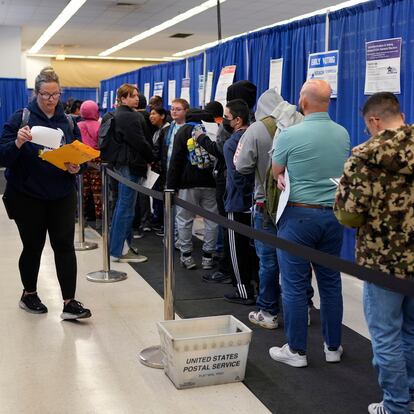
(205,198)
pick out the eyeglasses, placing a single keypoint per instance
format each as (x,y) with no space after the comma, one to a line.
(46,96)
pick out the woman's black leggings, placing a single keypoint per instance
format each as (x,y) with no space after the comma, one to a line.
(35,218)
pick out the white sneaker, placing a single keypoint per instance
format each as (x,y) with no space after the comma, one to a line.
(285,355)
(377,408)
(187,262)
(264,319)
(333,356)
(132,257)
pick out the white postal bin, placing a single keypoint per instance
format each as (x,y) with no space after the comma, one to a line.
(204,351)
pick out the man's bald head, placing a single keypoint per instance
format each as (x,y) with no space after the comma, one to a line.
(315,96)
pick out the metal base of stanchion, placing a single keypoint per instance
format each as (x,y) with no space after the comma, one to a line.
(80,246)
(102,276)
(152,357)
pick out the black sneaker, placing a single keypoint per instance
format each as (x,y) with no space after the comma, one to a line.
(234,297)
(216,277)
(75,310)
(31,303)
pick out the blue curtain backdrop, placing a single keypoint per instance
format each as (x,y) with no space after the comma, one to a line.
(232,52)
(293,42)
(349,30)
(195,69)
(13,96)
(82,94)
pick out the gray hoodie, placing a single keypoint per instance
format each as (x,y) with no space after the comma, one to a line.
(255,146)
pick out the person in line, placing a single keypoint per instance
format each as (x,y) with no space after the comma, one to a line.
(196,185)
(247,91)
(238,201)
(92,184)
(40,197)
(375,195)
(252,156)
(158,118)
(312,152)
(134,156)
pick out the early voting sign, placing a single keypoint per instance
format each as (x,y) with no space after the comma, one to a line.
(324,66)
(383,66)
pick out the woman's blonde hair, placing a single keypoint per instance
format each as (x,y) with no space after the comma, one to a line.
(46,75)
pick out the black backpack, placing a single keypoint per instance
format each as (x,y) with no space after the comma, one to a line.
(108,144)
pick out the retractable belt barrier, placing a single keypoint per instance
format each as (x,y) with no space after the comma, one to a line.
(382,279)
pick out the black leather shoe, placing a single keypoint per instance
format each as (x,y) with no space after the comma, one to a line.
(216,277)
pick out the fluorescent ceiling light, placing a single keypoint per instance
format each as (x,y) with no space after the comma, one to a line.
(49,55)
(57,24)
(303,16)
(175,20)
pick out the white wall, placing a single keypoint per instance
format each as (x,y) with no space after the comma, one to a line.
(32,67)
(10,52)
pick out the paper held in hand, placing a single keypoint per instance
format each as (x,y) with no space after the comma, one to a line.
(75,153)
(48,137)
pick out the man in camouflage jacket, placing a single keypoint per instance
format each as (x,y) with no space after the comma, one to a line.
(376,195)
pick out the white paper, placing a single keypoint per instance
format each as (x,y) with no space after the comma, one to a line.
(324,66)
(209,86)
(383,66)
(225,80)
(48,137)
(150,180)
(275,78)
(147,91)
(105,100)
(185,89)
(171,91)
(158,88)
(284,197)
(211,129)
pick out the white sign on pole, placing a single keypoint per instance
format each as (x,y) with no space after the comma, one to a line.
(201,90)
(111,99)
(383,66)
(324,66)
(171,91)
(105,100)
(185,89)
(225,80)
(209,86)
(147,91)
(276,70)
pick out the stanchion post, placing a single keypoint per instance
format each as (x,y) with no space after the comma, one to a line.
(106,275)
(169,274)
(152,356)
(81,244)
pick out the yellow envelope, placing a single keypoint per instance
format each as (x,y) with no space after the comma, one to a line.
(75,153)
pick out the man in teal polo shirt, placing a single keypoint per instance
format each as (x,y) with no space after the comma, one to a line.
(312,152)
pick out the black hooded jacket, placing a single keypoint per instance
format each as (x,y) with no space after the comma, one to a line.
(181,174)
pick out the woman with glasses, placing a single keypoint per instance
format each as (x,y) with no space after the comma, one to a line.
(40,197)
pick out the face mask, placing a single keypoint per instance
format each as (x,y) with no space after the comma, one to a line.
(227,127)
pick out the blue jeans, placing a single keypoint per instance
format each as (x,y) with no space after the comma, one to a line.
(269,288)
(124,213)
(319,229)
(390,319)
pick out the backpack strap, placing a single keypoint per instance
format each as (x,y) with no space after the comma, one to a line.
(71,122)
(25,117)
(270,124)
